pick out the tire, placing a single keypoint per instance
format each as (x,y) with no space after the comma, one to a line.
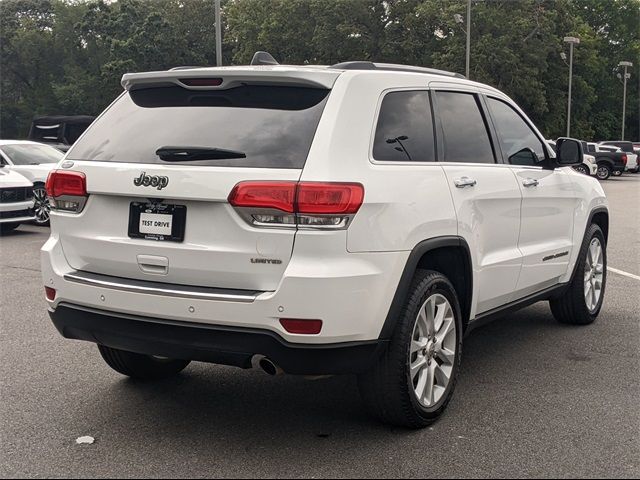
(41,207)
(603,172)
(141,367)
(389,389)
(574,306)
(8,227)
(582,169)
(617,173)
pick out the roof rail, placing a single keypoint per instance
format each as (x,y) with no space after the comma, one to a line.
(362,65)
(182,68)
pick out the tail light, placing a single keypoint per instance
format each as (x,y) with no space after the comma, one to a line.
(624,159)
(67,191)
(323,205)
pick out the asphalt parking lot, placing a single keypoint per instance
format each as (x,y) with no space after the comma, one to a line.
(535,399)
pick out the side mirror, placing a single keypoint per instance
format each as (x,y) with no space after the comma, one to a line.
(569,152)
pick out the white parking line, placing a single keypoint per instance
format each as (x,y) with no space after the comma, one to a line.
(626,274)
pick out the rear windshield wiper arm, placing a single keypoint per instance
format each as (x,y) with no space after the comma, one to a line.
(186,154)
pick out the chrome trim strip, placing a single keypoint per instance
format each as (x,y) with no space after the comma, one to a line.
(157,288)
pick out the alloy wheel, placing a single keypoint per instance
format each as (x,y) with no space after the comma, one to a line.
(602,173)
(41,205)
(433,350)
(593,275)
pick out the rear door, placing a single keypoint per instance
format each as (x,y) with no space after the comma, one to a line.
(549,200)
(485,194)
(160,164)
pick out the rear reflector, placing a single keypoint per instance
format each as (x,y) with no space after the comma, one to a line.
(201,82)
(301,327)
(61,183)
(50,293)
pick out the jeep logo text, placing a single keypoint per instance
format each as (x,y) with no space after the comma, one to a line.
(145,180)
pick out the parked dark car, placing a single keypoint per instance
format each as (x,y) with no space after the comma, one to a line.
(633,165)
(609,162)
(58,130)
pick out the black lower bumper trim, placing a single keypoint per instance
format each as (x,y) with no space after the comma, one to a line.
(214,344)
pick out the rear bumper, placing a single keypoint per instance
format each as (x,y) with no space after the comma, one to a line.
(208,343)
(350,293)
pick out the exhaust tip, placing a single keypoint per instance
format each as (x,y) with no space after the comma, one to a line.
(266,365)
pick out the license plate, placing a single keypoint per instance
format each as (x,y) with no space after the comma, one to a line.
(157,221)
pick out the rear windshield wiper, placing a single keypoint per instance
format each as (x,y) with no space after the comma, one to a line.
(186,154)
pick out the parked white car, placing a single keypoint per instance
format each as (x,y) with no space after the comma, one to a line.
(588,165)
(34,161)
(627,147)
(353,219)
(16,200)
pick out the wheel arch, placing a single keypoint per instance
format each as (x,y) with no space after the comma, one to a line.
(449,255)
(600,216)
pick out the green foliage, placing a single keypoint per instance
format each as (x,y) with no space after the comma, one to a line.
(67,56)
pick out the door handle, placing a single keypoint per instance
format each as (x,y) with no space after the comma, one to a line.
(531,182)
(465,182)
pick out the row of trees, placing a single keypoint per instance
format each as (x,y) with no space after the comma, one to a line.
(67,56)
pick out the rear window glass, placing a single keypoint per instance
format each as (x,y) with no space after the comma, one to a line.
(264,126)
(624,146)
(47,133)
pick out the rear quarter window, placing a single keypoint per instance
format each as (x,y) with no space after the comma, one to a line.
(272,126)
(404,131)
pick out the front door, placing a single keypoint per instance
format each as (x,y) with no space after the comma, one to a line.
(549,201)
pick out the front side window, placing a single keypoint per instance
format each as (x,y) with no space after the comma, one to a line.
(404,132)
(519,143)
(466,139)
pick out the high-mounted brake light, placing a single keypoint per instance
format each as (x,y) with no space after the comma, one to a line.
(325,205)
(201,82)
(67,190)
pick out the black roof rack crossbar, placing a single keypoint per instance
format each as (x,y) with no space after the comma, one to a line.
(363,65)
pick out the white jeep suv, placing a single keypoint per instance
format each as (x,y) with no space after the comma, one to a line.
(353,219)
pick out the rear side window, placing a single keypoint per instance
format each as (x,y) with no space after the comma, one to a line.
(263,126)
(404,132)
(464,130)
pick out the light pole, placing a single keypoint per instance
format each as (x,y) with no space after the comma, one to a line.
(571,41)
(626,76)
(218,34)
(459,19)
